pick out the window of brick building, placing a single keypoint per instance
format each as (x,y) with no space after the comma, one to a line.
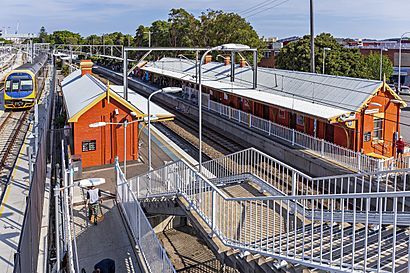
(377,128)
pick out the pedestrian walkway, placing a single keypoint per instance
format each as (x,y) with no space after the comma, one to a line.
(108,239)
(12,210)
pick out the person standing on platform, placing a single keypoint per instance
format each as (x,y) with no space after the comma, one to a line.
(400,144)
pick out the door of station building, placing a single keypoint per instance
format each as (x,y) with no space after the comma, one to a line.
(329,134)
(292,120)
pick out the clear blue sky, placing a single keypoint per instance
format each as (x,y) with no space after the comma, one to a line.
(342,18)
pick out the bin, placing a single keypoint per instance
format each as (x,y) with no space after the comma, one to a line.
(77,165)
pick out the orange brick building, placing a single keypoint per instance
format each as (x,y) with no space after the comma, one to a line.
(359,114)
(87,100)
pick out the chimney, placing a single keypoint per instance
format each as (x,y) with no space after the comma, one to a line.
(86,67)
(208,59)
(227,60)
(242,62)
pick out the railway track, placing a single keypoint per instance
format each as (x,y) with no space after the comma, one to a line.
(185,133)
(13,128)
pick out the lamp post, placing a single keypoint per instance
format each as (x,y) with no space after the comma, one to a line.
(124,124)
(225,47)
(324,57)
(381,61)
(399,83)
(162,90)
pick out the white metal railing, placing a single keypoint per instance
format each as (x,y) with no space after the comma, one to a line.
(325,231)
(291,181)
(154,254)
(323,148)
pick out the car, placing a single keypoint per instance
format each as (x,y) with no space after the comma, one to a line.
(405,90)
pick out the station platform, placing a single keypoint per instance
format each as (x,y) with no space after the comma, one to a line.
(109,239)
(12,210)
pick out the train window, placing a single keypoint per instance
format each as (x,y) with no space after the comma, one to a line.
(26,85)
(15,86)
(7,85)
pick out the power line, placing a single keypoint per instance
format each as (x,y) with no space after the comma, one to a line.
(266,9)
(257,7)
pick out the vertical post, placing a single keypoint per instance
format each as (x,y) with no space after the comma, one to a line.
(359,163)
(399,82)
(312,40)
(30,166)
(293,137)
(294,180)
(213,211)
(71,59)
(56,210)
(125,73)
(232,66)
(322,148)
(255,69)
(324,56)
(196,67)
(125,148)
(381,63)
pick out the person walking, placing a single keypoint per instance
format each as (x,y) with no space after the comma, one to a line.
(93,203)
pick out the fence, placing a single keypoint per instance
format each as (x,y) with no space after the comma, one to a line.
(325,231)
(28,248)
(321,147)
(154,255)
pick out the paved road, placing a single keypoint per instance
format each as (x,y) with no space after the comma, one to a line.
(405,119)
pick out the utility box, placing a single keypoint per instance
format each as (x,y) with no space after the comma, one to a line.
(77,166)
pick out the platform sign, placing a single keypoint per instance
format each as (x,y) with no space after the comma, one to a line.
(89,145)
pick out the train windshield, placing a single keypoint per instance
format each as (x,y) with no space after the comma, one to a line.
(17,82)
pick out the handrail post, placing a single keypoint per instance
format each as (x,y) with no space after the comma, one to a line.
(270,126)
(250,120)
(293,137)
(294,181)
(213,224)
(138,187)
(359,159)
(322,148)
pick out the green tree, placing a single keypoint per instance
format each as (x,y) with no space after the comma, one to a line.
(184,28)
(160,33)
(65,37)
(371,66)
(141,36)
(338,61)
(43,36)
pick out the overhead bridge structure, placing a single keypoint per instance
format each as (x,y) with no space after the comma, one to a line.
(349,223)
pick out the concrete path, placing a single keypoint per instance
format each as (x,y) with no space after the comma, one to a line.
(107,239)
(12,211)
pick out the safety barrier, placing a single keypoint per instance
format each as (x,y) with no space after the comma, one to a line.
(321,147)
(154,255)
(334,232)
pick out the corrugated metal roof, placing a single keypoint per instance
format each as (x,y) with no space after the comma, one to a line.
(344,93)
(79,91)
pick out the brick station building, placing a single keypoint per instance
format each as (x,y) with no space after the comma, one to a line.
(359,114)
(87,100)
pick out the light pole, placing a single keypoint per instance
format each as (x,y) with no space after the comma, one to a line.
(312,40)
(124,124)
(324,56)
(162,90)
(225,47)
(149,37)
(401,38)
(381,61)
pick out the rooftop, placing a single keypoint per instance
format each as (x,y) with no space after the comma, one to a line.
(320,95)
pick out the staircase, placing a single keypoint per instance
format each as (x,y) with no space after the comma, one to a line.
(345,231)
